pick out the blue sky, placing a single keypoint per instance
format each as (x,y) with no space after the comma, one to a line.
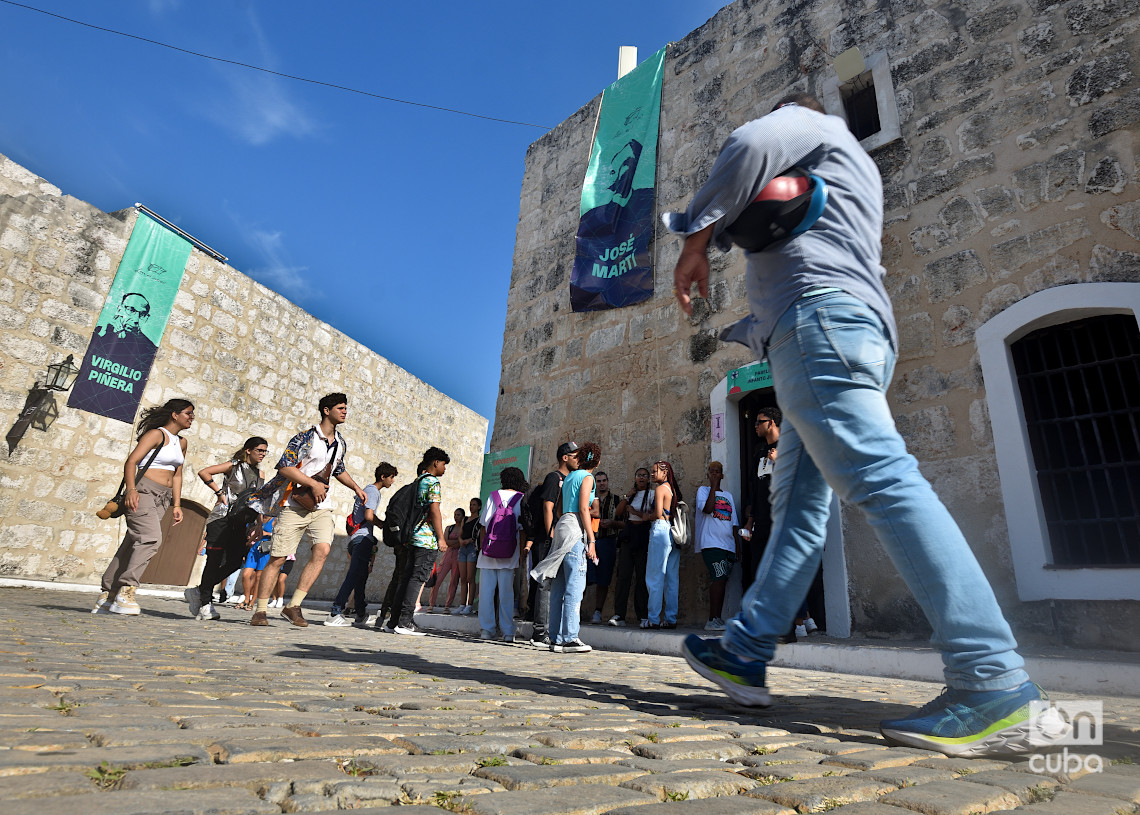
(393,223)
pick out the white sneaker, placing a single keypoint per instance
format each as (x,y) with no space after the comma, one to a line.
(125,602)
(408,632)
(574,647)
(103,604)
(801,631)
(235,600)
(207,612)
(644,623)
(457,611)
(469,611)
(194,598)
(278,603)
(715,624)
(617,622)
(383,628)
(338,621)
(597,618)
(811,627)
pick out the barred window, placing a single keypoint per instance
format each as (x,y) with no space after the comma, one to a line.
(1080,392)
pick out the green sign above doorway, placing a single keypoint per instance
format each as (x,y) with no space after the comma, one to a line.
(749,378)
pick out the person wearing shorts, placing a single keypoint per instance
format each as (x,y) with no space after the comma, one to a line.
(320,449)
(716,527)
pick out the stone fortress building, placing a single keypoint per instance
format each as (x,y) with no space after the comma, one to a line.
(1006,135)
(252,362)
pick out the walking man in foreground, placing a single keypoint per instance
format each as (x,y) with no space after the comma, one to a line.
(821,316)
(310,459)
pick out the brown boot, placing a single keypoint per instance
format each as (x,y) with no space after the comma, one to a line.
(259,618)
(293,615)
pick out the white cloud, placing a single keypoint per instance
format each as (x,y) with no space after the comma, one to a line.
(258,107)
(275,271)
(160,7)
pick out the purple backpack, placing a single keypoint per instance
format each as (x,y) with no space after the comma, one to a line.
(502,532)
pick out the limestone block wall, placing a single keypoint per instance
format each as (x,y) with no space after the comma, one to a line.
(1016,171)
(252,362)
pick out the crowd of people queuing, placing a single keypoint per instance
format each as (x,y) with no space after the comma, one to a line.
(569,532)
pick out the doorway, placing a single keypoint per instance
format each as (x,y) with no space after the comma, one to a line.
(734,444)
(754,496)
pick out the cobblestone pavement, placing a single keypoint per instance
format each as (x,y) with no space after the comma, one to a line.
(161,713)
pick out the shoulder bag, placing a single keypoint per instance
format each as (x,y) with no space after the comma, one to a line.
(117,506)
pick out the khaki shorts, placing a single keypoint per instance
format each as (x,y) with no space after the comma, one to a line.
(292,524)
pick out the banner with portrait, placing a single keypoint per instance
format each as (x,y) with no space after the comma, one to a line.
(130,326)
(613,266)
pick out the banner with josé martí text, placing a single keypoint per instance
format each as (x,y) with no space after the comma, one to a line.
(130,327)
(495,463)
(612,266)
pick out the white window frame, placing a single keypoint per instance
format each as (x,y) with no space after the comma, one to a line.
(1024,512)
(879,67)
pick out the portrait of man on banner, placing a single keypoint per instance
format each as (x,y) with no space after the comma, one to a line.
(130,326)
(613,266)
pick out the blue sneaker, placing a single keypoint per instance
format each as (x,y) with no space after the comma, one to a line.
(976,723)
(742,681)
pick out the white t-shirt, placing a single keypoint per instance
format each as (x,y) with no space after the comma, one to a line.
(714,531)
(319,456)
(639,498)
(511,562)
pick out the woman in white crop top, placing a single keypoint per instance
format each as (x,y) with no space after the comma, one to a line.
(148,495)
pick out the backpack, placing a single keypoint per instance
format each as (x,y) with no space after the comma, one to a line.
(351,526)
(403,515)
(502,532)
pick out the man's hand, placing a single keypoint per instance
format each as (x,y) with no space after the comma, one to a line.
(319,490)
(692,267)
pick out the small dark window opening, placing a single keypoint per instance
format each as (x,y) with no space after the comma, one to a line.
(861,106)
(1080,392)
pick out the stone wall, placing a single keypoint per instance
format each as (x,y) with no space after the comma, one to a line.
(1016,171)
(252,362)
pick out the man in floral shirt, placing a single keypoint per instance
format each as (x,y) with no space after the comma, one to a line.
(315,451)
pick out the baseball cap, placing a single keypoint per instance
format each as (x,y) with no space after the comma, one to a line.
(566,448)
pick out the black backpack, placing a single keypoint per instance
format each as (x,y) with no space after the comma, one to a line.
(403,515)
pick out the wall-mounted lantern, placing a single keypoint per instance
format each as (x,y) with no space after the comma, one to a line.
(40,409)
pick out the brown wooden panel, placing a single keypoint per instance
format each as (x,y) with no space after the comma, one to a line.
(180,546)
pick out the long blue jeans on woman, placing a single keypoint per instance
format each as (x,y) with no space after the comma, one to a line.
(831,361)
(662,574)
(504,581)
(566,590)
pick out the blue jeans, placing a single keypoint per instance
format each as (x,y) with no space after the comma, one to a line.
(360,549)
(662,574)
(566,591)
(831,361)
(504,580)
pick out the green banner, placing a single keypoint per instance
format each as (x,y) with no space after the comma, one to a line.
(495,463)
(749,378)
(131,324)
(613,266)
